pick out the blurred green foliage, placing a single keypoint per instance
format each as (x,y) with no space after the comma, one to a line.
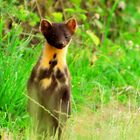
(100,20)
(108,34)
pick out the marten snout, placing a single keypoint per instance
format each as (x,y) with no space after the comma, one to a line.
(61,44)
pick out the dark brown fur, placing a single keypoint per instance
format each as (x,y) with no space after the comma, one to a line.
(49,84)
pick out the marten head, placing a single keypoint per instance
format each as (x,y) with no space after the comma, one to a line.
(58,35)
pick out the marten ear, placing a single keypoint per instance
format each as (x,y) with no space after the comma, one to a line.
(72,24)
(45,25)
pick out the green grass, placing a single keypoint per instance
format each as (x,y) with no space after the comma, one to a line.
(105,95)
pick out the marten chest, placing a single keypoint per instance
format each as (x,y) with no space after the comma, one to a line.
(52,76)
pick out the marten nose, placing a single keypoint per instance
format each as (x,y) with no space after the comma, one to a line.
(61,44)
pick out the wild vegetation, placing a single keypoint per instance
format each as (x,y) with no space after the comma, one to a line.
(103,58)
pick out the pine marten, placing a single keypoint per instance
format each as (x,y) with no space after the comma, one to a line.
(49,87)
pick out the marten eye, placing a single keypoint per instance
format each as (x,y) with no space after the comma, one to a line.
(67,37)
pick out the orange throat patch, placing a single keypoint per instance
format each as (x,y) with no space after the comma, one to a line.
(51,53)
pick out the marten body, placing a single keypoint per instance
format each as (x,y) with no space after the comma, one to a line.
(49,83)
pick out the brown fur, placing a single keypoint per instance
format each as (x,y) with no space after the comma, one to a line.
(49,90)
